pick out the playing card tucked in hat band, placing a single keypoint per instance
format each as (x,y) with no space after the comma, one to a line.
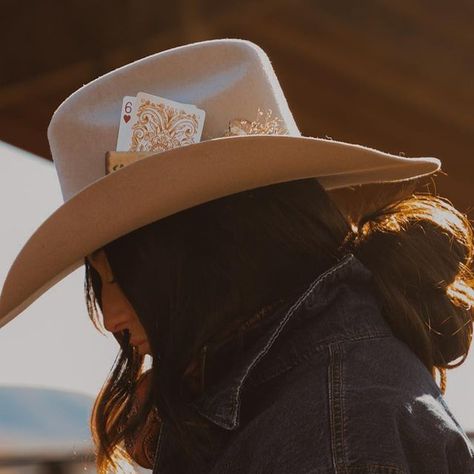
(249,139)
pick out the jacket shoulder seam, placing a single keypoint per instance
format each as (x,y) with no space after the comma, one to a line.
(306,355)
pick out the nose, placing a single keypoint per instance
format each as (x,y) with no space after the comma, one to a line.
(115,321)
(115,311)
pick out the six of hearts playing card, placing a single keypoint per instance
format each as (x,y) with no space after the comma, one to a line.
(151,123)
(128,110)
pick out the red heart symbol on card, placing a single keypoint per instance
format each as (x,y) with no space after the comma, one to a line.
(126,118)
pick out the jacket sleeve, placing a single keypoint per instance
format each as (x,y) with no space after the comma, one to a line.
(431,439)
(387,409)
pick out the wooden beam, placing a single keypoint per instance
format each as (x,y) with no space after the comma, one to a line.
(376,63)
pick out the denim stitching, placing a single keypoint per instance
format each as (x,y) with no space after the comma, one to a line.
(336,407)
(236,402)
(313,350)
(343,401)
(373,468)
(376,468)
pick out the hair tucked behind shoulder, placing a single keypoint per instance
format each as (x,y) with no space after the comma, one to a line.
(193,274)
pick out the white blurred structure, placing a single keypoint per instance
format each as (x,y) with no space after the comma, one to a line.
(52,343)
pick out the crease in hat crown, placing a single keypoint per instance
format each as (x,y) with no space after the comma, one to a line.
(229,78)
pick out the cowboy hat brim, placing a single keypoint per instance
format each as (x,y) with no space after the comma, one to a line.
(168,182)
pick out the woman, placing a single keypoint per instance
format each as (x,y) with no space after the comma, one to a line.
(287,330)
(262,249)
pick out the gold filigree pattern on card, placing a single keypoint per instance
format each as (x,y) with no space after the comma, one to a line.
(265,124)
(160,127)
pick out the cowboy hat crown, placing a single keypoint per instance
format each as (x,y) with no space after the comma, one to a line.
(249,139)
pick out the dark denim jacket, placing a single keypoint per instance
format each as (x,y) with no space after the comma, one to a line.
(328,388)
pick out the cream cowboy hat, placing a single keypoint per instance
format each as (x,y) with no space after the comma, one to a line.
(249,139)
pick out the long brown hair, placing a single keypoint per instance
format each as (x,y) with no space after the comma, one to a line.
(192,274)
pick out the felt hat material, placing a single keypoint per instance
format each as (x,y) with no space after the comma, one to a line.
(230,79)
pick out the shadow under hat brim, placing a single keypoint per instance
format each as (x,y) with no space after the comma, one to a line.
(168,182)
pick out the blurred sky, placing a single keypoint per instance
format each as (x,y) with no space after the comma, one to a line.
(53,343)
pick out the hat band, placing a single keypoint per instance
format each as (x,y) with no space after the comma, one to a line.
(266,124)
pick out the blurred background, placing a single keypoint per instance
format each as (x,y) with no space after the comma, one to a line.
(396,75)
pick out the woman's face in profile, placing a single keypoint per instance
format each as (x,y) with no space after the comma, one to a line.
(118,313)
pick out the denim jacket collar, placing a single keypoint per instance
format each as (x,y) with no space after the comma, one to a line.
(221,403)
(337,304)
